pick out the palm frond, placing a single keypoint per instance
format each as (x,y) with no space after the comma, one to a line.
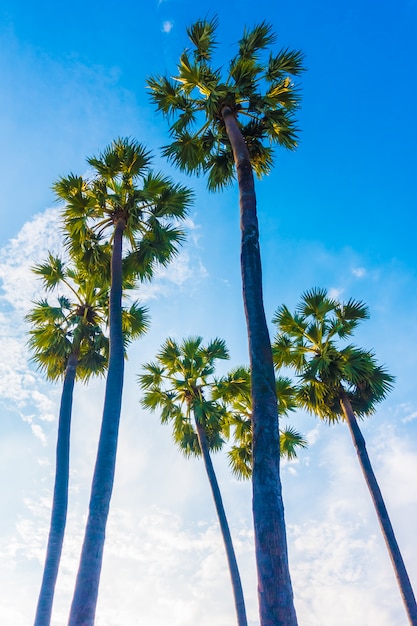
(135,322)
(185,152)
(255,40)
(220,169)
(52,272)
(124,156)
(289,441)
(285,62)
(202,35)
(240,461)
(286,395)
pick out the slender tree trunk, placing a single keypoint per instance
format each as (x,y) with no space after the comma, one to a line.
(60,499)
(382,513)
(224,526)
(86,588)
(275,594)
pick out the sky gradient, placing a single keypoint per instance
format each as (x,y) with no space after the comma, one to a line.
(338,213)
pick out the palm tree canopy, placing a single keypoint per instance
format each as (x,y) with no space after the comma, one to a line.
(257,87)
(77,322)
(176,384)
(234,390)
(310,341)
(121,188)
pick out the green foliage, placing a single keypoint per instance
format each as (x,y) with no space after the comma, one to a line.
(176,385)
(122,190)
(77,324)
(309,342)
(73,326)
(257,87)
(234,390)
(201,34)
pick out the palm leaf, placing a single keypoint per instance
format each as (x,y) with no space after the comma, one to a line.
(289,440)
(255,40)
(285,62)
(202,36)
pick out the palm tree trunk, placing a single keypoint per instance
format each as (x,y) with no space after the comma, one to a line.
(381,511)
(86,588)
(275,594)
(224,526)
(60,498)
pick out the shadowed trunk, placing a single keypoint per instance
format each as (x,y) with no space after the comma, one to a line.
(86,588)
(60,499)
(275,594)
(224,526)
(381,511)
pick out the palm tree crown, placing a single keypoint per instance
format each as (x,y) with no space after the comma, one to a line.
(260,94)
(177,383)
(234,390)
(309,341)
(74,325)
(122,190)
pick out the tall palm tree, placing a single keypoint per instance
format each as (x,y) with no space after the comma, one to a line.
(340,383)
(225,122)
(123,201)
(234,390)
(68,342)
(176,384)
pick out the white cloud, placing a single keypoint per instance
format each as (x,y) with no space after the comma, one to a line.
(312,436)
(156,567)
(31,245)
(38,432)
(359,272)
(335,293)
(167,26)
(409,418)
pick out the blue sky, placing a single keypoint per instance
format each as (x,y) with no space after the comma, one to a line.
(337,213)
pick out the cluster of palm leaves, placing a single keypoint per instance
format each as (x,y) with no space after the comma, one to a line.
(120,222)
(260,94)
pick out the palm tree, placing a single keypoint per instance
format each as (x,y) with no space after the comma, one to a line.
(111,202)
(224,125)
(176,385)
(234,390)
(340,383)
(68,342)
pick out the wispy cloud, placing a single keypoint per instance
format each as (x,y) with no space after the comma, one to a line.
(335,292)
(167,26)
(38,236)
(410,417)
(359,272)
